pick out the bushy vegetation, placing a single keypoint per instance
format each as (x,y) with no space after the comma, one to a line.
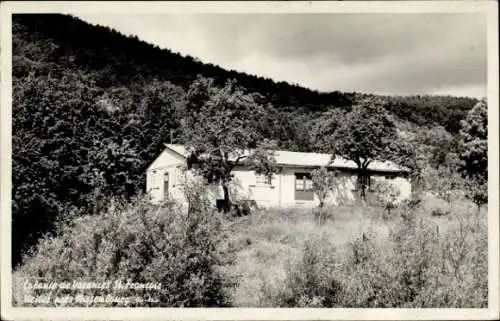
(474,153)
(387,195)
(323,182)
(410,261)
(182,250)
(309,282)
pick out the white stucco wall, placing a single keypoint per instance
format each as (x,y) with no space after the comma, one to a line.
(403,184)
(280,193)
(343,195)
(167,162)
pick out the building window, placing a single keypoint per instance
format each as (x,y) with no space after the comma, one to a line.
(262,179)
(165,184)
(303,187)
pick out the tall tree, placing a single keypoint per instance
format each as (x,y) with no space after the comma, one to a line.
(323,127)
(365,135)
(442,144)
(220,128)
(474,152)
(323,184)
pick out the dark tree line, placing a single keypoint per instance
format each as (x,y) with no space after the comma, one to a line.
(446,111)
(123,59)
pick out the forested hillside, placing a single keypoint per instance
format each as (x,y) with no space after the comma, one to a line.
(92,108)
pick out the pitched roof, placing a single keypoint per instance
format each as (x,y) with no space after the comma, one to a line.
(312,160)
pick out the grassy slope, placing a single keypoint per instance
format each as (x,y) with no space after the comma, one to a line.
(271,241)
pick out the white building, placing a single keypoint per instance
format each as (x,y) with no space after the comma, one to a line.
(292,186)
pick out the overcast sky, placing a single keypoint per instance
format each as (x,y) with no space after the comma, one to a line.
(373,53)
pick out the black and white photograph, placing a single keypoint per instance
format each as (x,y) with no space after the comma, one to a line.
(330,157)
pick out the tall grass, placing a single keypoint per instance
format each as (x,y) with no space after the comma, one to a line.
(360,259)
(353,256)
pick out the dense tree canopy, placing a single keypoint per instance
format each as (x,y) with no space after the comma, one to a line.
(323,128)
(220,130)
(364,136)
(474,152)
(474,135)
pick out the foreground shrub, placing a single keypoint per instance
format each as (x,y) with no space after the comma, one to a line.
(322,214)
(323,183)
(183,250)
(387,195)
(419,264)
(310,281)
(243,208)
(439,212)
(459,275)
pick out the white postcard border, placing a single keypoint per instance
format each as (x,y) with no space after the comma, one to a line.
(488,8)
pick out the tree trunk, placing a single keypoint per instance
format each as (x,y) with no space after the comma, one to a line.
(227,203)
(362,180)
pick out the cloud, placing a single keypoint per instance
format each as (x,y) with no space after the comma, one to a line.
(377,53)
